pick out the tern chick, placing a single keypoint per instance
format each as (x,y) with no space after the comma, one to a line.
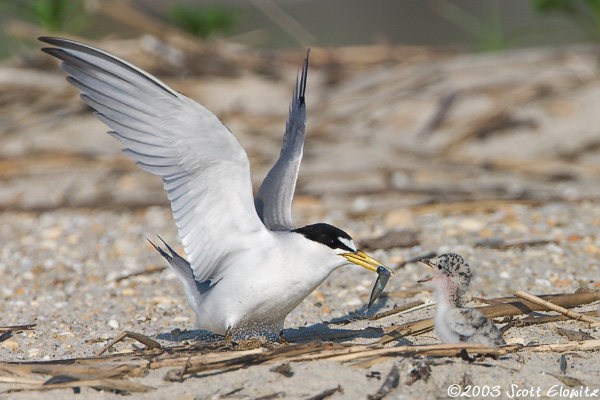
(453,322)
(247,264)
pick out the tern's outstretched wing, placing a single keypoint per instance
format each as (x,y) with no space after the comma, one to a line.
(274,199)
(204,168)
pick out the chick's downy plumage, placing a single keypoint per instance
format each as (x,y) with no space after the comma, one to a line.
(453,322)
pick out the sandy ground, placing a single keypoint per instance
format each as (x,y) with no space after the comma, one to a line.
(61,271)
(76,218)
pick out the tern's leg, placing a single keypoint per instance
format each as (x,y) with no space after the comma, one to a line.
(228,335)
(282,339)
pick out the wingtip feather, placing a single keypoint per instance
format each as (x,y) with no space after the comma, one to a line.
(303,77)
(173,253)
(48,39)
(160,251)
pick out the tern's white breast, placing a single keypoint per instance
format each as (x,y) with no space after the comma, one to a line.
(261,285)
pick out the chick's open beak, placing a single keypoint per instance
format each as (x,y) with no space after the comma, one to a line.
(366,261)
(427,262)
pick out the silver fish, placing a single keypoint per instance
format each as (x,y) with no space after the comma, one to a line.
(382,280)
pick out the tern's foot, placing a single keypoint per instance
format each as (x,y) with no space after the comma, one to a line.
(282,339)
(248,344)
(229,338)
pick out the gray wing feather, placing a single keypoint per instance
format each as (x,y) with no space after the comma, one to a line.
(182,269)
(204,168)
(274,199)
(473,327)
(178,264)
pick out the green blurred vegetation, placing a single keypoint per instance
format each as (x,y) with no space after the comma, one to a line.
(202,22)
(585,14)
(486,32)
(481,25)
(50,15)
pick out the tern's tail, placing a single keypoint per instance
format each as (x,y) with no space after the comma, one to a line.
(193,289)
(178,264)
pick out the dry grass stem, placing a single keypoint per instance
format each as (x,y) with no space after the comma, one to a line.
(397,310)
(148,271)
(145,340)
(557,308)
(13,328)
(586,345)
(102,384)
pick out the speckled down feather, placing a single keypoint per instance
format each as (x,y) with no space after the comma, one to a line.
(467,325)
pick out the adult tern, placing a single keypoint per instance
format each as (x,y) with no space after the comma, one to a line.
(247,264)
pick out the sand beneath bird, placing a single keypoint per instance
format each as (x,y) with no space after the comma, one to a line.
(69,284)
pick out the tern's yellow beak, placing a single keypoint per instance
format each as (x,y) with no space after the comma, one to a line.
(365,261)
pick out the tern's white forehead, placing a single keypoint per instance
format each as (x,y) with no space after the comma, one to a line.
(348,242)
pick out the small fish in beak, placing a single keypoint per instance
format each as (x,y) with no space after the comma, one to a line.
(371,264)
(382,280)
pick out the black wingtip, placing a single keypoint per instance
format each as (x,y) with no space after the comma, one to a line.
(302,91)
(160,251)
(53,51)
(49,40)
(54,41)
(173,252)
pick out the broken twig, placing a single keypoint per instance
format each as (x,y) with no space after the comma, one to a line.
(148,271)
(326,393)
(13,328)
(557,308)
(574,335)
(586,345)
(507,244)
(145,340)
(396,310)
(390,383)
(103,384)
